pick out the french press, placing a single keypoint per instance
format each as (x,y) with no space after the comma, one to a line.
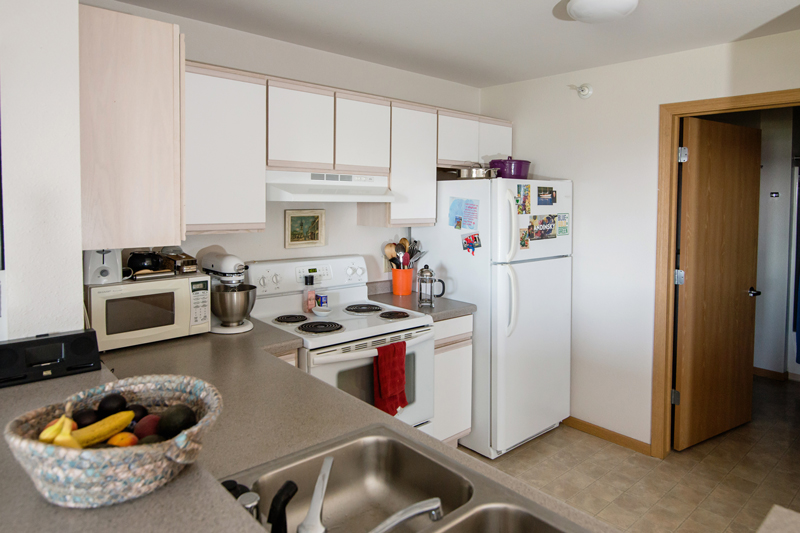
(426,279)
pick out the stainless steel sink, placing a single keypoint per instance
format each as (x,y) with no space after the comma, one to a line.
(377,472)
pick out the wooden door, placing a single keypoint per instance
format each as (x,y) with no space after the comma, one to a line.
(718,251)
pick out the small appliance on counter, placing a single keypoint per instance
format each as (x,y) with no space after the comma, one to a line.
(426,279)
(48,356)
(174,258)
(138,312)
(231,300)
(102,266)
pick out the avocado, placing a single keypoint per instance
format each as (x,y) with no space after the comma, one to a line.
(175,419)
(111,404)
(85,417)
(139,411)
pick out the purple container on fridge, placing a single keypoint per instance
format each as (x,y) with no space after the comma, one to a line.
(511,168)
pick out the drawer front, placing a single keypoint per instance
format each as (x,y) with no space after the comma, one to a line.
(460,327)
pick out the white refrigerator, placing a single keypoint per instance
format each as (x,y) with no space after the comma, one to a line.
(520,278)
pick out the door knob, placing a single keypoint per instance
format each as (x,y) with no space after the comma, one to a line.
(752,292)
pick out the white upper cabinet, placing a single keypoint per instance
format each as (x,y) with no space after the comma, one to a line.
(226,149)
(495,140)
(363,126)
(459,139)
(300,126)
(413,175)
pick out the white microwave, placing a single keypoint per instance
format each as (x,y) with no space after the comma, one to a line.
(137,312)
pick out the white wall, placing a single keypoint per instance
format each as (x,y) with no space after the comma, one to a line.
(608,145)
(209,43)
(774,235)
(39,102)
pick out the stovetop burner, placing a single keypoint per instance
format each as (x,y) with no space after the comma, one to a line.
(290,319)
(362,309)
(394,315)
(319,328)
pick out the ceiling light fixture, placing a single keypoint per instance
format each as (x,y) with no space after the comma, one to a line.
(592,11)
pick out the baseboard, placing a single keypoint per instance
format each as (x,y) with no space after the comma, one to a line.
(793,377)
(607,434)
(771,374)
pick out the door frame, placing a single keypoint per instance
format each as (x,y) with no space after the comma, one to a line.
(668,143)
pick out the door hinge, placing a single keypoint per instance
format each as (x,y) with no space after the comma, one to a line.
(680,277)
(675,397)
(683,154)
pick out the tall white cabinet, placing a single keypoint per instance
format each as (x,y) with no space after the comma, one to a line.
(459,139)
(494,140)
(226,149)
(300,125)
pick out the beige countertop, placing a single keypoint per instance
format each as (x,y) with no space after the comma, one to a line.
(444,310)
(194,501)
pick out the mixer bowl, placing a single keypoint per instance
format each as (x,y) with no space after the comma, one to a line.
(232,304)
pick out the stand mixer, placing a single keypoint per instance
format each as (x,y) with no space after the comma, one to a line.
(231,300)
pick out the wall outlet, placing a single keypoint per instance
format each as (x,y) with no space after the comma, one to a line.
(387,266)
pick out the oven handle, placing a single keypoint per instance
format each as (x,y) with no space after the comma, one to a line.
(362,354)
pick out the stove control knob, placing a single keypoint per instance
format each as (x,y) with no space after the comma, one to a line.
(262,281)
(350,271)
(276,279)
(360,271)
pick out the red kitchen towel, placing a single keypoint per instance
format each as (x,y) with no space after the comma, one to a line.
(389,374)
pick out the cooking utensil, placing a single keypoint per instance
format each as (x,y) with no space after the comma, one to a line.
(406,260)
(511,168)
(426,279)
(231,304)
(395,262)
(390,251)
(144,261)
(417,257)
(477,173)
(405,244)
(401,251)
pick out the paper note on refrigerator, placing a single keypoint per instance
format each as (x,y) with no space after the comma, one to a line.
(463,211)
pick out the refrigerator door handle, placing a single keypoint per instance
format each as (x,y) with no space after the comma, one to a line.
(514,286)
(513,227)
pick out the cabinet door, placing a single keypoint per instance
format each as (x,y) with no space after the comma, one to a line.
(130,104)
(300,126)
(363,127)
(459,139)
(452,397)
(495,141)
(413,174)
(226,146)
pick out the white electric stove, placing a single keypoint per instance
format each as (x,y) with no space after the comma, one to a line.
(339,348)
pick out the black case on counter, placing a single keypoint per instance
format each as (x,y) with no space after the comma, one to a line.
(48,356)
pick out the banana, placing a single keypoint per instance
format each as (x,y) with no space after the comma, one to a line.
(49,434)
(65,438)
(103,430)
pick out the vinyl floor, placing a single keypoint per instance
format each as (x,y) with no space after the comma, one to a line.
(728,483)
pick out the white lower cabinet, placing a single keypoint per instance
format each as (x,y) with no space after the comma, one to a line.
(452,404)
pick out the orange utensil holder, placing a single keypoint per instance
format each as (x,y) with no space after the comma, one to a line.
(401,281)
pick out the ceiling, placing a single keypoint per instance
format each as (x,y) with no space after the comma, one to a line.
(481,42)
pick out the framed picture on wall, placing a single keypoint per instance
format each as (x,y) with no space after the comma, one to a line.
(304,227)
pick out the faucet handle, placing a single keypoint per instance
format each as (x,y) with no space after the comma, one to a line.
(432,506)
(312,523)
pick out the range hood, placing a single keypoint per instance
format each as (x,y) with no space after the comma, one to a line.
(287,186)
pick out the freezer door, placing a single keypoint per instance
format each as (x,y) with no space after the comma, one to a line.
(531,327)
(533,219)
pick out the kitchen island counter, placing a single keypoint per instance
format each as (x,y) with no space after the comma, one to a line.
(271,409)
(193,501)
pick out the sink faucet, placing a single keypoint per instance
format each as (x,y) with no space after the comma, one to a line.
(312,523)
(432,506)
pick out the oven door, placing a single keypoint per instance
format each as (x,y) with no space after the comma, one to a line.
(131,314)
(348,367)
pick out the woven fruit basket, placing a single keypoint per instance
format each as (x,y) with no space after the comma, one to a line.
(86,478)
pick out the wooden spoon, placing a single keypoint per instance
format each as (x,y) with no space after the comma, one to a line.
(405,243)
(389,250)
